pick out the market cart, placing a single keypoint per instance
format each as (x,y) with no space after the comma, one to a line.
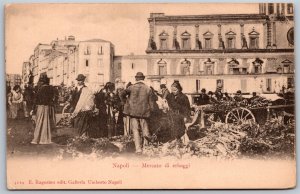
(243,112)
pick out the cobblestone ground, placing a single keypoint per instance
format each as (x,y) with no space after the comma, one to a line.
(20,133)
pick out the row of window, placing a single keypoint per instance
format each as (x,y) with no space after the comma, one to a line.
(233,68)
(271,8)
(99,67)
(230,41)
(87,50)
(220,84)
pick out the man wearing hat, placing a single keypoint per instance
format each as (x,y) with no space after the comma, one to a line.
(203,98)
(238,96)
(164,92)
(138,108)
(75,94)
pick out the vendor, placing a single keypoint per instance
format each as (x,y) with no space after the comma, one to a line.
(253,98)
(238,96)
(202,99)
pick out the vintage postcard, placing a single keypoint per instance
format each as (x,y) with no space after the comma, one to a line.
(150,96)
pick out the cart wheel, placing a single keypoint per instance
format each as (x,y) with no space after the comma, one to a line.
(239,115)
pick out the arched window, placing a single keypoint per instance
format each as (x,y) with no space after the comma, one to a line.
(286,66)
(230,39)
(209,67)
(162,67)
(185,67)
(234,66)
(208,40)
(257,65)
(186,40)
(253,39)
(163,37)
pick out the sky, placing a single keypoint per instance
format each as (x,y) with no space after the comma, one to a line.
(125,25)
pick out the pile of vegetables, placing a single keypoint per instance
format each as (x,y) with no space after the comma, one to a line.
(220,140)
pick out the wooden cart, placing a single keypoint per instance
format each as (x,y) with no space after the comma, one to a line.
(240,114)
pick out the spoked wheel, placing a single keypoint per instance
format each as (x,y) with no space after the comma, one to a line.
(239,116)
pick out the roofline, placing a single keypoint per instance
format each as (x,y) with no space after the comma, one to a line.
(41,44)
(222,51)
(95,41)
(209,17)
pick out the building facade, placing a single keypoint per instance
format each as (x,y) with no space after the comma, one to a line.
(26,72)
(247,52)
(63,60)
(13,80)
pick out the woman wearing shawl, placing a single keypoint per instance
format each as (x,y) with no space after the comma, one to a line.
(179,110)
(45,112)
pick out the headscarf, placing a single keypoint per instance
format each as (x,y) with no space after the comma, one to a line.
(177,85)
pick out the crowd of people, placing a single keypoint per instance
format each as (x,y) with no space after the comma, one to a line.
(110,111)
(127,110)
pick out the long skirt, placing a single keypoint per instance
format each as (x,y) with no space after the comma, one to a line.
(44,125)
(102,124)
(14,109)
(86,124)
(177,125)
(53,119)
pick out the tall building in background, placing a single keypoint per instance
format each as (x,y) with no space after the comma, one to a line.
(247,52)
(13,79)
(63,60)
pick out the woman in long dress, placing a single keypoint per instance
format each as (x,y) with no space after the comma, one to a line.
(45,113)
(180,110)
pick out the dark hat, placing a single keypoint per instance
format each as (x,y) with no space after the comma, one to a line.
(203,90)
(44,78)
(163,86)
(139,75)
(109,86)
(239,92)
(177,85)
(210,93)
(80,77)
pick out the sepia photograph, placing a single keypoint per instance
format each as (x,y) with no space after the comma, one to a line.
(150,96)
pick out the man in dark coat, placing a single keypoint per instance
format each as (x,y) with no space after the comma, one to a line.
(138,108)
(238,96)
(203,99)
(108,103)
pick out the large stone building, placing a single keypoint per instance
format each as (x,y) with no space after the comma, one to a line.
(63,60)
(247,52)
(26,72)
(13,80)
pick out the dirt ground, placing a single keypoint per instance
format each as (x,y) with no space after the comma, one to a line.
(20,133)
(272,140)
